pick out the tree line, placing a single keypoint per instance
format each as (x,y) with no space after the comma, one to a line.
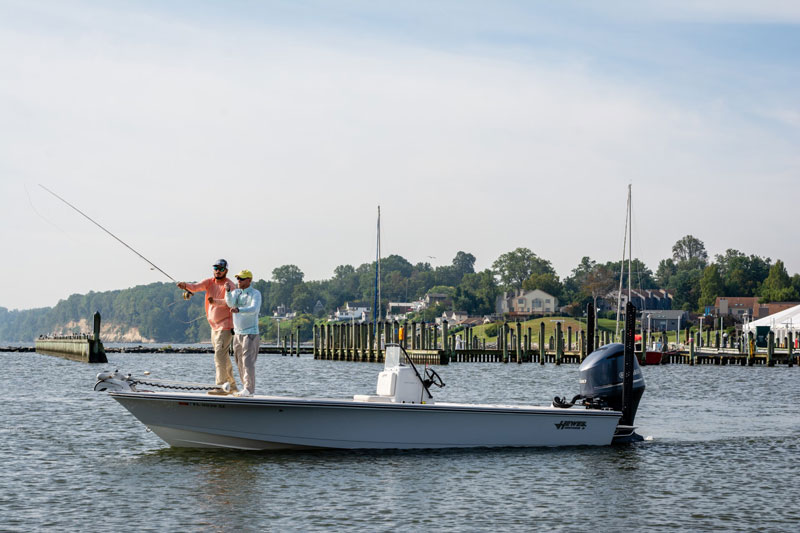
(159,313)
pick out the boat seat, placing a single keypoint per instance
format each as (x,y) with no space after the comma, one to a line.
(371,398)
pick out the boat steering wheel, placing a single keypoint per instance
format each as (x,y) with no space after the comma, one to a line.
(432,378)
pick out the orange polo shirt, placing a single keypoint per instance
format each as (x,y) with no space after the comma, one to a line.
(218,313)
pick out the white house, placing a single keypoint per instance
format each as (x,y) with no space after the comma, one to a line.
(523,302)
(351,313)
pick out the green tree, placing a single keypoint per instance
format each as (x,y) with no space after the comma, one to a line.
(287,277)
(546,281)
(513,268)
(711,285)
(688,248)
(464,263)
(477,293)
(641,276)
(742,274)
(778,286)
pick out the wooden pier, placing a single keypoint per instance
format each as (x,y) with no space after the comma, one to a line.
(440,345)
(84,347)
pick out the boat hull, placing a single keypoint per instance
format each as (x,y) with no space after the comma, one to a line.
(278,423)
(651,358)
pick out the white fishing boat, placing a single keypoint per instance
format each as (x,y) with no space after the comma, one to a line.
(401,415)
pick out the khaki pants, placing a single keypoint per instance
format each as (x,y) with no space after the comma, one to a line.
(221,340)
(245,350)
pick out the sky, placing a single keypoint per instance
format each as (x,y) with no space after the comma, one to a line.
(268,133)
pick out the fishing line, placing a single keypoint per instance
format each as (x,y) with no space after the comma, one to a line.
(30,202)
(186,294)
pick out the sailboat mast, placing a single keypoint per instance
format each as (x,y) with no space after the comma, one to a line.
(625,244)
(378,270)
(630,241)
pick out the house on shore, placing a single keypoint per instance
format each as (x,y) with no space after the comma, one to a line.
(351,312)
(746,308)
(664,319)
(650,299)
(525,303)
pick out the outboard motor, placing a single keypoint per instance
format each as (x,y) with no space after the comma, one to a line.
(601,376)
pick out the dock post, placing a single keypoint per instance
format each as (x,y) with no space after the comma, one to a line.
(582,347)
(331,343)
(771,348)
(789,349)
(644,346)
(569,338)
(445,339)
(98,352)
(541,343)
(519,343)
(691,351)
(590,344)
(529,345)
(505,342)
(315,339)
(96,326)
(371,342)
(559,343)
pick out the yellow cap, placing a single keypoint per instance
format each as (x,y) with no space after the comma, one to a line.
(244,274)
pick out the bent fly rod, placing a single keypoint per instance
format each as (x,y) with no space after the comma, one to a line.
(186,294)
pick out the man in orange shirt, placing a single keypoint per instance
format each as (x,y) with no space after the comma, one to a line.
(220,320)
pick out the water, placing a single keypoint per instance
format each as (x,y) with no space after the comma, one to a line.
(723,456)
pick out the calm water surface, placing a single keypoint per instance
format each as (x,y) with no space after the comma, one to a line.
(723,455)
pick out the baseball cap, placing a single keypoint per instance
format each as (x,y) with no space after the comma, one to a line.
(244,274)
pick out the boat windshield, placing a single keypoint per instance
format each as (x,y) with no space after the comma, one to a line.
(393,356)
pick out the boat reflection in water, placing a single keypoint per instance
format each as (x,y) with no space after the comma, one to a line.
(400,415)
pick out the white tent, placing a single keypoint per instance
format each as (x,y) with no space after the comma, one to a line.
(781,323)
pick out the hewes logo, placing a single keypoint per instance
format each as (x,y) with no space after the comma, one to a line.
(571,424)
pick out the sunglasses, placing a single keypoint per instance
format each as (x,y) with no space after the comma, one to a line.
(219,268)
(241,279)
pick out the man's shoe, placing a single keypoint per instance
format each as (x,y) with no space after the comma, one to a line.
(244,394)
(217,392)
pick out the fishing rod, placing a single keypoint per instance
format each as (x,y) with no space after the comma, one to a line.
(186,294)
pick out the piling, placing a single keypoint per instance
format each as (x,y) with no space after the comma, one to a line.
(771,348)
(559,343)
(505,342)
(789,349)
(590,339)
(519,347)
(542,350)
(569,338)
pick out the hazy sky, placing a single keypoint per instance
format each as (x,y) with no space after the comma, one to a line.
(268,133)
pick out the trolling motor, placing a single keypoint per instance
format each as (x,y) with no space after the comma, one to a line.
(610,378)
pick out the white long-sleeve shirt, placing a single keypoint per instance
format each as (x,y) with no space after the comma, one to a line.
(248,300)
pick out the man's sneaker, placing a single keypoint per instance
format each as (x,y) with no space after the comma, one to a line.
(217,392)
(244,393)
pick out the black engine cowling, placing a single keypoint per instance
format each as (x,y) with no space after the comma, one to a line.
(601,376)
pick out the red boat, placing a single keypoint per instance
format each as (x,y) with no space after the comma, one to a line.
(651,357)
